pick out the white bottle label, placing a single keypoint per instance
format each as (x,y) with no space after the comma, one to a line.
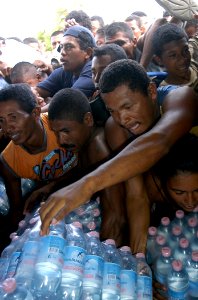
(176,295)
(74,259)
(111,277)
(14,260)
(128,283)
(144,288)
(51,250)
(93,269)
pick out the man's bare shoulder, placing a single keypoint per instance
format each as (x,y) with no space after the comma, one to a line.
(98,149)
(116,136)
(180,98)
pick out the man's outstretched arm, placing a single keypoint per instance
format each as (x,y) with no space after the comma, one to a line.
(180,111)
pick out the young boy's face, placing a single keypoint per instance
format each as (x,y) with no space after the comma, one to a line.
(176,58)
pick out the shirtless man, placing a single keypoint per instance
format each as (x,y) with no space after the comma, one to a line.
(72,121)
(131,99)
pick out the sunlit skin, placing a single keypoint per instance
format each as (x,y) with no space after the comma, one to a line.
(21,127)
(176,59)
(126,106)
(183,189)
(123,41)
(72,57)
(56,40)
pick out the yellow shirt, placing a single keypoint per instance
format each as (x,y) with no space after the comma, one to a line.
(46,165)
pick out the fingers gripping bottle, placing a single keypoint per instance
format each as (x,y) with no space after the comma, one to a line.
(74,260)
(128,274)
(144,278)
(93,269)
(112,269)
(49,262)
(178,282)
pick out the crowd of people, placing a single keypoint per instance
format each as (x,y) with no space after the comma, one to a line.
(113,113)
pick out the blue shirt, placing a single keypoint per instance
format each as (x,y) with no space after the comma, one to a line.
(60,79)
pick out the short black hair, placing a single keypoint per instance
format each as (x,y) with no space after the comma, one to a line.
(139,13)
(165,34)
(22,70)
(182,157)
(124,71)
(80,17)
(21,93)
(113,28)
(30,40)
(116,52)
(99,19)
(57,32)
(69,104)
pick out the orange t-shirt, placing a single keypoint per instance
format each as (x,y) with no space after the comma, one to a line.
(47,165)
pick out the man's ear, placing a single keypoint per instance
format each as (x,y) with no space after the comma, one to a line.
(152,91)
(88,119)
(38,77)
(36,112)
(89,52)
(134,41)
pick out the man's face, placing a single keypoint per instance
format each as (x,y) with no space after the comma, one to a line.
(16,124)
(95,26)
(72,57)
(183,189)
(121,39)
(98,65)
(176,58)
(136,30)
(56,40)
(132,110)
(70,134)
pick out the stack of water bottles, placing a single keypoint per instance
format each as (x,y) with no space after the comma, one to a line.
(27,186)
(174,261)
(88,214)
(70,263)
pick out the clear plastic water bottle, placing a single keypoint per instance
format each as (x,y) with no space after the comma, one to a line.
(160,243)
(27,185)
(164,227)
(194,242)
(183,251)
(192,270)
(13,292)
(177,282)
(112,268)
(4,202)
(175,236)
(151,243)
(25,268)
(162,267)
(128,274)
(16,255)
(5,257)
(49,262)
(179,219)
(74,260)
(191,228)
(93,268)
(144,278)
(88,215)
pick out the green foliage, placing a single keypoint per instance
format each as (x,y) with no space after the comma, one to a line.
(44,37)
